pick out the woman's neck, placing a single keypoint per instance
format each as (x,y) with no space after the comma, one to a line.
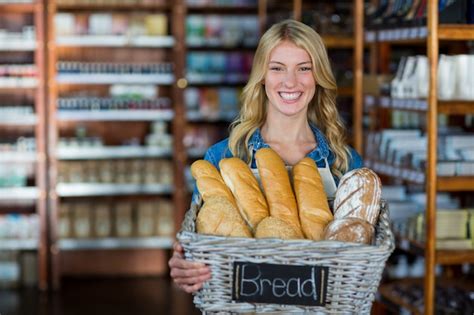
(287,131)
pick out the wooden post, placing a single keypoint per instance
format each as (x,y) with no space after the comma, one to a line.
(357,128)
(297,9)
(432,130)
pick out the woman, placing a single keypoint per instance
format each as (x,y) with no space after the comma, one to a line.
(288,104)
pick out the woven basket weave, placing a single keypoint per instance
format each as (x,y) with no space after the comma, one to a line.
(354,270)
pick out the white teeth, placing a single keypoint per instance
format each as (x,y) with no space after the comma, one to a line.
(290,96)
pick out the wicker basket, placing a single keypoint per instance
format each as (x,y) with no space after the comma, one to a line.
(354,270)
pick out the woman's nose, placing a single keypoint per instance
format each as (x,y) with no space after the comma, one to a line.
(289,79)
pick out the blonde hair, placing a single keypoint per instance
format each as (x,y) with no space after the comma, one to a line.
(322,111)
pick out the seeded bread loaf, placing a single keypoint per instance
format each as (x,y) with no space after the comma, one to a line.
(272,227)
(349,230)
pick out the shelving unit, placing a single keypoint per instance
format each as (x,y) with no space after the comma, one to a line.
(157,60)
(32,89)
(431,35)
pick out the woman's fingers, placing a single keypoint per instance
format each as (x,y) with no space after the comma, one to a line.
(198,279)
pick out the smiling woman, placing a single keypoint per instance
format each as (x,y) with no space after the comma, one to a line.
(289,105)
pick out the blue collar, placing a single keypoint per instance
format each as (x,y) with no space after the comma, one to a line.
(319,153)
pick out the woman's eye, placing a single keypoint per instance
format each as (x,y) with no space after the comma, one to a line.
(276,68)
(305,69)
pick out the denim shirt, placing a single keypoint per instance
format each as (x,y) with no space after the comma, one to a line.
(221,150)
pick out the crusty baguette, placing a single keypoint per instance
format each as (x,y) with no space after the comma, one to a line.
(312,201)
(277,187)
(358,196)
(219,217)
(272,227)
(349,230)
(250,201)
(209,181)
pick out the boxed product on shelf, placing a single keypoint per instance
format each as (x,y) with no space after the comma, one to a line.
(146,217)
(123,219)
(65,221)
(164,219)
(82,226)
(102,220)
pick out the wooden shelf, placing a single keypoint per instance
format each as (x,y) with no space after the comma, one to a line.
(111,152)
(347,91)
(98,189)
(443,257)
(450,32)
(116,115)
(386,292)
(335,41)
(455,107)
(116,41)
(112,7)
(18,244)
(18,7)
(116,243)
(222,9)
(105,78)
(455,183)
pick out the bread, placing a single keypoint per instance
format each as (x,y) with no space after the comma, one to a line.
(277,187)
(272,227)
(219,217)
(349,230)
(250,201)
(209,181)
(313,207)
(358,196)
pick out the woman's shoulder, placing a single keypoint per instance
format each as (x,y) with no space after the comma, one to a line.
(355,160)
(217,152)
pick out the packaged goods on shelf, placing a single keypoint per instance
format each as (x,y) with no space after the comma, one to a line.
(9,270)
(230,3)
(212,103)
(18,227)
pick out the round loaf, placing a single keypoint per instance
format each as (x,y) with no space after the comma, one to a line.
(349,230)
(250,201)
(272,227)
(358,196)
(218,216)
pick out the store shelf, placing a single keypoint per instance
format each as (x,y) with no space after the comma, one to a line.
(104,78)
(17,45)
(103,6)
(116,115)
(115,41)
(455,183)
(19,193)
(409,175)
(347,91)
(116,243)
(19,120)
(96,189)
(213,78)
(456,32)
(18,7)
(198,116)
(443,257)
(112,153)
(338,41)
(222,9)
(22,157)
(454,107)
(18,244)
(18,83)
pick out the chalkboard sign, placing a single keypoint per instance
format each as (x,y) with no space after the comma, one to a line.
(280,284)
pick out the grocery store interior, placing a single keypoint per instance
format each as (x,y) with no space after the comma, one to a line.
(105,104)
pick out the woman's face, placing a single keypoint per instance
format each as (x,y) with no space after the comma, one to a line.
(289,81)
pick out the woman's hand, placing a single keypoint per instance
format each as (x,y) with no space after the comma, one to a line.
(189,276)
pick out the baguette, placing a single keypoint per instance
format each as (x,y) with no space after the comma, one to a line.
(250,201)
(312,201)
(219,217)
(209,182)
(277,187)
(358,196)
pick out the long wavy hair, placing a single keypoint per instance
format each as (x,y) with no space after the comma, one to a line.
(322,111)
